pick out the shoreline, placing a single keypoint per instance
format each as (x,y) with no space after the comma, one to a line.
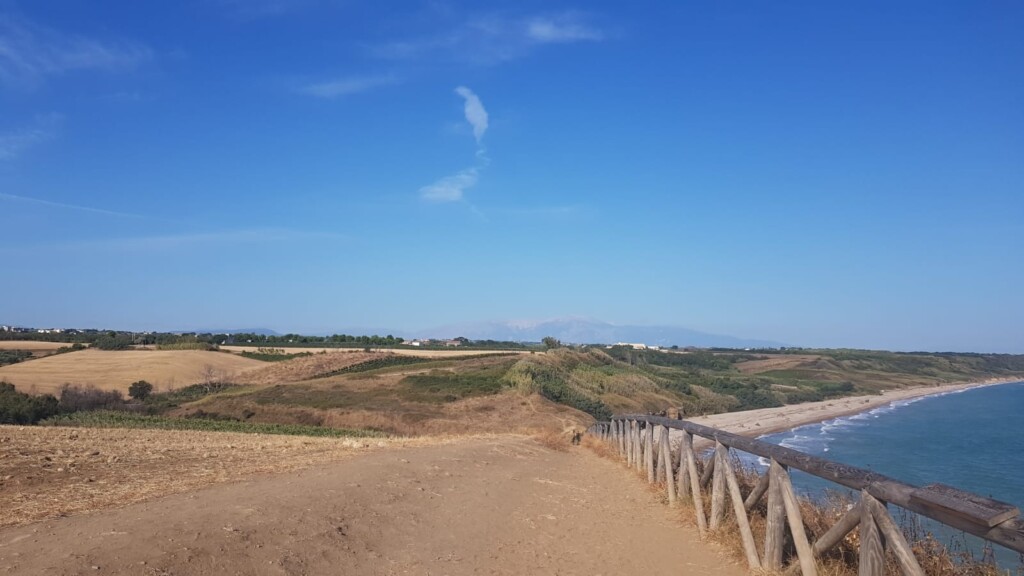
(754,423)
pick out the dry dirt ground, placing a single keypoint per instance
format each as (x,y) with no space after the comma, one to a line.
(165,369)
(48,472)
(496,505)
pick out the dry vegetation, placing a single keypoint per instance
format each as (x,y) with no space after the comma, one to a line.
(38,349)
(453,353)
(304,367)
(49,472)
(116,370)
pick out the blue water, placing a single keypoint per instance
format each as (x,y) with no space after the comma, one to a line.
(970,439)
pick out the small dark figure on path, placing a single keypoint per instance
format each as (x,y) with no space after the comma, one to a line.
(576,436)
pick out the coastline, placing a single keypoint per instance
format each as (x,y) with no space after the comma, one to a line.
(763,421)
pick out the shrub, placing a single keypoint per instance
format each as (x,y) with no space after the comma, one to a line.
(85,398)
(140,390)
(14,356)
(20,408)
(117,342)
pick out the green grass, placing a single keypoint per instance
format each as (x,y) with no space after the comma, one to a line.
(109,419)
(440,387)
(274,356)
(164,401)
(375,364)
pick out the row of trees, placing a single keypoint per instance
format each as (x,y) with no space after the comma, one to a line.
(21,408)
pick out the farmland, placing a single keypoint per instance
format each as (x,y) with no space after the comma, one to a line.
(116,370)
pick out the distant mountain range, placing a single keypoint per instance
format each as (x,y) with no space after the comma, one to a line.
(568,330)
(586,331)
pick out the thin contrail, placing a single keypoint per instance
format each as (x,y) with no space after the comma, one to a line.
(6,196)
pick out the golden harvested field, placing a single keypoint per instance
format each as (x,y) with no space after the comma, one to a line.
(116,370)
(454,353)
(304,367)
(774,363)
(38,349)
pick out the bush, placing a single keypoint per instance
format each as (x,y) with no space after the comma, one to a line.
(85,398)
(140,390)
(117,342)
(13,356)
(20,408)
(273,354)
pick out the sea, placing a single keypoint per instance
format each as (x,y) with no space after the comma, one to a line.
(970,439)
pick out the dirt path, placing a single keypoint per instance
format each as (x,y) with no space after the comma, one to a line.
(503,505)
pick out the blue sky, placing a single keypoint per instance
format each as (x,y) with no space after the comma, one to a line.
(820,174)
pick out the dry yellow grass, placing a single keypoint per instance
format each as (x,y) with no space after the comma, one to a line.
(454,353)
(31,345)
(110,370)
(38,349)
(774,363)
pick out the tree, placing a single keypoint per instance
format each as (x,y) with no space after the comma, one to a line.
(140,390)
(551,342)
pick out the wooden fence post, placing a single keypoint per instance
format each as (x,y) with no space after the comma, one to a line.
(808,566)
(749,547)
(717,493)
(684,471)
(894,539)
(775,531)
(872,552)
(666,459)
(649,453)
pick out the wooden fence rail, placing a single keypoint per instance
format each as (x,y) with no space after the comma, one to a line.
(634,437)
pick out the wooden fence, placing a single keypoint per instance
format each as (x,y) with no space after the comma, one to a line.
(644,442)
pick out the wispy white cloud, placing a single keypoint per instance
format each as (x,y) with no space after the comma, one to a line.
(30,53)
(65,206)
(476,115)
(346,86)
(453,188)
(493,38)
(16,142)
(183,240)
(207,238)
(562,28)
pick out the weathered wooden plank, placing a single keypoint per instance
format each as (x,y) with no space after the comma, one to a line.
(627,441)
(649,452)
(775,529)
(838,531)
(759,490)
(666,458)
(639,460)
(971,507)
(684,472)
(872,554)
(894,538)
(717,494)
(698,499)
(749,547)
(808,566)
(709,471)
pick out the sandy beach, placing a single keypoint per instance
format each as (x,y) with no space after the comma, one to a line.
(769,420)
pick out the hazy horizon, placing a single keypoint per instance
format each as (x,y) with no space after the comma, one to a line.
(814,174)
